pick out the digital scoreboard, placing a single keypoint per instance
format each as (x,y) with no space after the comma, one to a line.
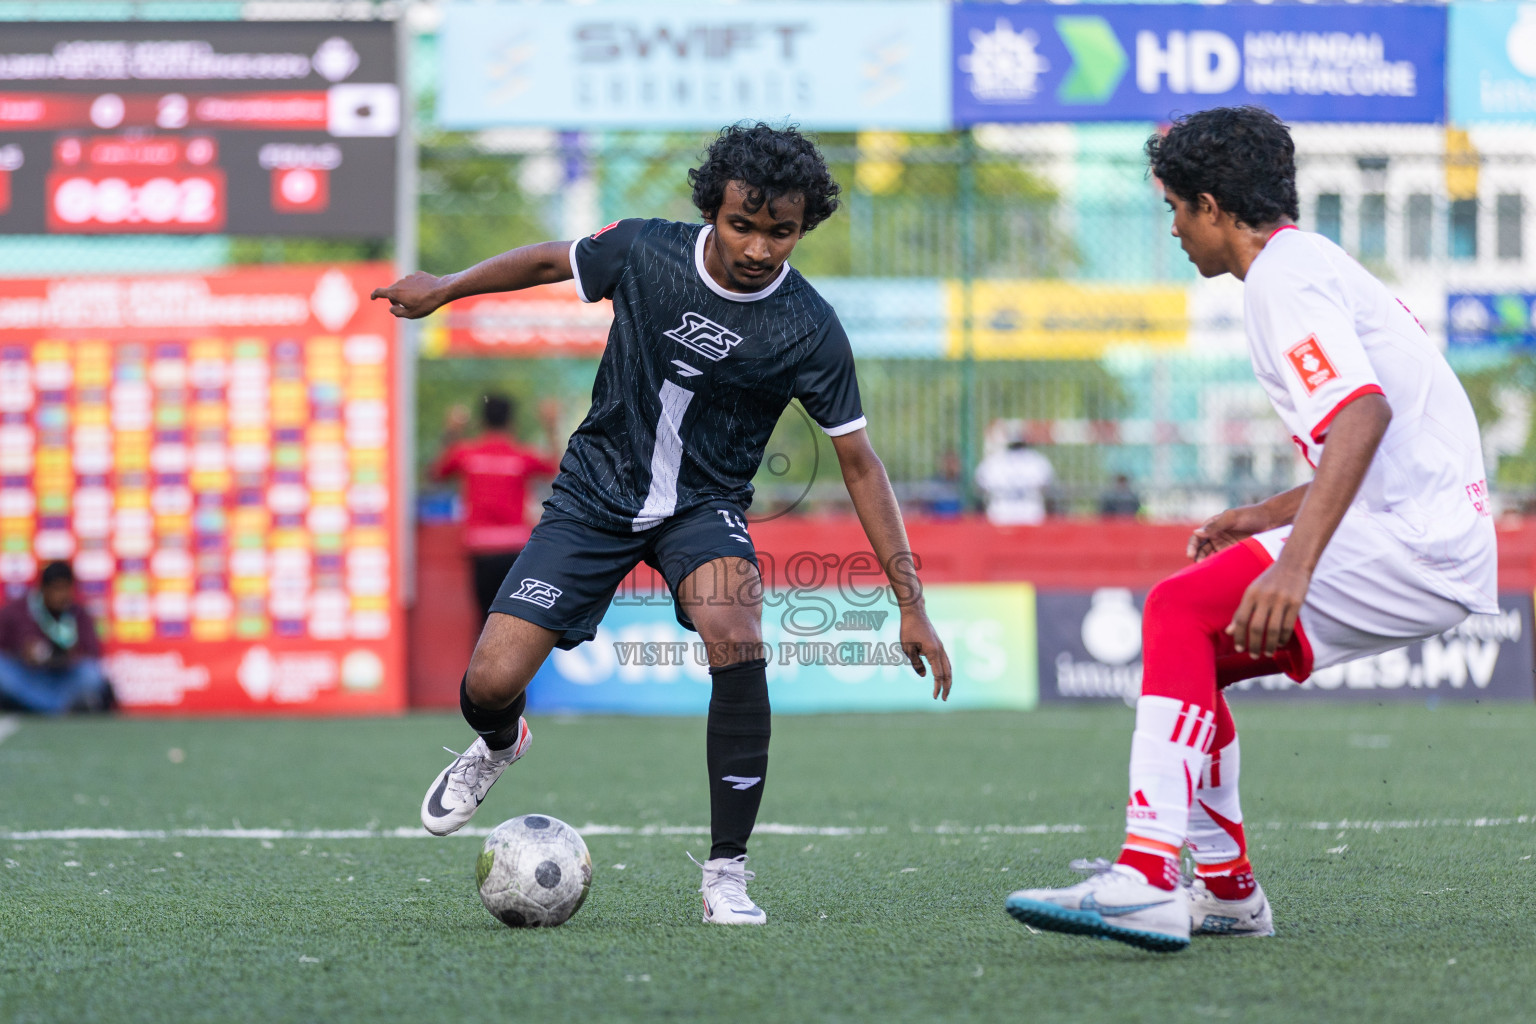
(196,127)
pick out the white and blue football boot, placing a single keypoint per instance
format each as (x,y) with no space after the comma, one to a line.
(1114,902)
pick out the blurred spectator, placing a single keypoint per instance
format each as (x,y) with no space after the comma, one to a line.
(495,470)
(944,498)
(50,655)
(1121,499)
(1013,481)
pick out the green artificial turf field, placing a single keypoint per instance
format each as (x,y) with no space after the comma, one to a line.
(1396,844)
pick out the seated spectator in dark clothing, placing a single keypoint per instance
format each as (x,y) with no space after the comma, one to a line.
(1121,499)
(50,655)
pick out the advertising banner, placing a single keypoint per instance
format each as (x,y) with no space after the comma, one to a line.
(1090,649)
(1491,73)
(1487,320)
(198,128)
(1149,62)
(827,651)
(214,453)
(884,316)
(1062,320)
(830,65)
(547,320)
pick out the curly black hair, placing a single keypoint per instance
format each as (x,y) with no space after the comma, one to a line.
(1241,155)
(772,163)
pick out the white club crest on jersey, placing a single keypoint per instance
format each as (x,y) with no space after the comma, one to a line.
(536,592)
(705,337)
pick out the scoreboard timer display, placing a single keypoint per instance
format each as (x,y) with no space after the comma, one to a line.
(197,127)
(215,455)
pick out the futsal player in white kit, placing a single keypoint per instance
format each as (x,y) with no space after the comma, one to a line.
(1390,542)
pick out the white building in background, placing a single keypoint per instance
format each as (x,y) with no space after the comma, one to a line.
(1433,212)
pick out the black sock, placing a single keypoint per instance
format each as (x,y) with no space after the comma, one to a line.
(499,727)
(737,751)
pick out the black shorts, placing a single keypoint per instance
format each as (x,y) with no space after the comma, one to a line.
(569,570)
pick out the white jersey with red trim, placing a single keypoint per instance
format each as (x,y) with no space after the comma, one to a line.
(1322,332)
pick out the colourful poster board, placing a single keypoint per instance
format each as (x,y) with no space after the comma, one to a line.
(215,455)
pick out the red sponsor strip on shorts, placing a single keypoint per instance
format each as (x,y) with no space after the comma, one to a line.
(1321,430)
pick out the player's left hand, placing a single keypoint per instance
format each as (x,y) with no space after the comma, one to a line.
(1266,617)
(919,641)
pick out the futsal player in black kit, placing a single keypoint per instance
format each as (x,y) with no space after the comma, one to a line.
(713,334)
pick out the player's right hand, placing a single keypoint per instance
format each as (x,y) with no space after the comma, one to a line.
(412,297)
(1225,529)
(920,640)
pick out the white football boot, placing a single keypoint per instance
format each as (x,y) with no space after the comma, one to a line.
(1250,917)
(725,892)
(1113,903)
(455,794)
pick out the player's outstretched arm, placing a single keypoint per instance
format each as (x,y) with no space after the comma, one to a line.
(414,296)
(1266,616)
(875,502)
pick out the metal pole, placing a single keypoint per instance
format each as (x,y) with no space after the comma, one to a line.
(968,434)
(406,335)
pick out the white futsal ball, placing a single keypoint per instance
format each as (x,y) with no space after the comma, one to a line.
(534,872)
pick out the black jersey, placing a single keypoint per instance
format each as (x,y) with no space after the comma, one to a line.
(694,377)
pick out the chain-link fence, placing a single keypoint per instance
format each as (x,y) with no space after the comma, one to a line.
(1023,282)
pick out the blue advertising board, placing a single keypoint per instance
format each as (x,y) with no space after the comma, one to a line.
(890,316)
(1152,62)
(827,651)
(1504,320)
(836,65)
(1492,62)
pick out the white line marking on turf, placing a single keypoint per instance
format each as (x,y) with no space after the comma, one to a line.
(9,724)
(768,828)
(409,832)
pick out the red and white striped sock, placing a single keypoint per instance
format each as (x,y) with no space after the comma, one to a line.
(1168,752)
(1185,655)
(1216,838)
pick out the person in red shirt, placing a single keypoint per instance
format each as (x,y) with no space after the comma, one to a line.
(495,470)
(50,655)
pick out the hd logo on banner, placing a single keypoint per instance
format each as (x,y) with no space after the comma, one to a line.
(1150,62)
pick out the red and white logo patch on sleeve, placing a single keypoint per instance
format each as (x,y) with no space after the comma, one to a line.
(608,227)
(1311,364)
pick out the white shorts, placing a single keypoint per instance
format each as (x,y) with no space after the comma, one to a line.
(1366,596)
